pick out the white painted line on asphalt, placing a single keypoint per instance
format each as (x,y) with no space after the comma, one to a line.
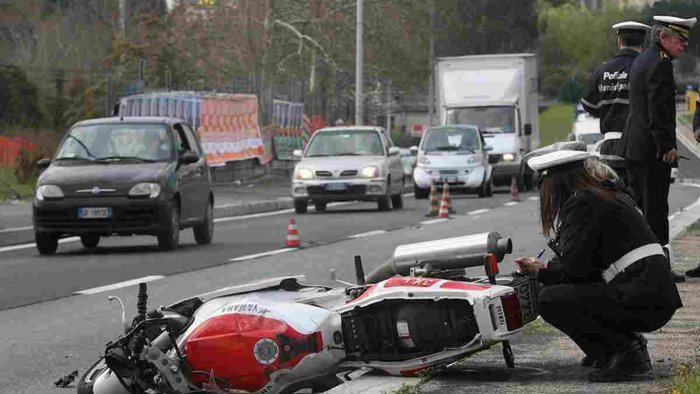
(367,234)
(119,285)
(32,245)
(478,211)
(691,184)
(433,221)
(273,213)
(511,203)
(13,229)
(263,254)
(533,198)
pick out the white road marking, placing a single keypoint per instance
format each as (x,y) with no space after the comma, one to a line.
(478,211)
(367,234)
(691,184)
(273,213)
(32,245)
(433,221)
(533,198)
(13,229)
(263,254)
(511,203)
(120,284)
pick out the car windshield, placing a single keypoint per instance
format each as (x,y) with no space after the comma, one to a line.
(590,138)
(345,143)
(451,139)
(491,120)
(117,142)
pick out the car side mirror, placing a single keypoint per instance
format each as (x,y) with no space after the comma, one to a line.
(189,157)
(43,164)
(296,154)
(394,151)
(528,129)
(488,147)
(414,150)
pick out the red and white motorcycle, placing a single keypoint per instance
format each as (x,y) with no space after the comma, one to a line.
(416,312)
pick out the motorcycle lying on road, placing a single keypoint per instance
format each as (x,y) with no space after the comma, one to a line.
(416,312)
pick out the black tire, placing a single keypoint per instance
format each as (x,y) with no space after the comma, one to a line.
(90,241)
(320,206)
(46,243)
(301,206)
(397,201)
(489,190)
(87,381)
(420,193)
(383,203)
(169,238)
(204,232)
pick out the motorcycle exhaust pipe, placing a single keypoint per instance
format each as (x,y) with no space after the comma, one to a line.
(450,253)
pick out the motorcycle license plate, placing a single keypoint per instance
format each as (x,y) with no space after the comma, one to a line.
(527,294)
(94,213)
(336,186)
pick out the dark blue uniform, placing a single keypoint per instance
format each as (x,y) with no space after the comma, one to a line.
(650,132)
(608,99)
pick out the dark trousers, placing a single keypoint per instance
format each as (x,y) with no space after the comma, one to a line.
(612,148)
(650,182)
(591,316)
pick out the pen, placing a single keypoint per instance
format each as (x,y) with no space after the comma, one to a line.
(540,253)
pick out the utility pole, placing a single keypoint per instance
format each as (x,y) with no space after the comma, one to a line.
(431,66)
(359,59)
(389,95)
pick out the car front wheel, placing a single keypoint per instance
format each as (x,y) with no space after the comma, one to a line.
(320,206)
(169,237)
(204,232)
(90,241)
(46,243)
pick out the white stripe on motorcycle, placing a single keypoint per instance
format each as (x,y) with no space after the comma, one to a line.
(119,285)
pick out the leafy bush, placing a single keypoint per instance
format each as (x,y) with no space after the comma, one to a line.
(27,170)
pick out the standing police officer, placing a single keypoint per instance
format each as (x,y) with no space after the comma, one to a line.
(608,94)
(649,138)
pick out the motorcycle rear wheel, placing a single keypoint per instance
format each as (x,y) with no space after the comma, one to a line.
(87,381)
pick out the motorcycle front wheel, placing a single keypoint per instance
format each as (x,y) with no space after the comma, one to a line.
(99,379)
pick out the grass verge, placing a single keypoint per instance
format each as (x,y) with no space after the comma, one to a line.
(10,188)
(555,123)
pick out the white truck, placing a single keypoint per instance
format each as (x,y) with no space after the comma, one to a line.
(499,94)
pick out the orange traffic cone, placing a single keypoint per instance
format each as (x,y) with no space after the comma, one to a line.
(292,235)
(444,204)
(514,190)
(433,204)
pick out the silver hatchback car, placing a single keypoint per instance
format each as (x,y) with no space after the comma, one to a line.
(353,163)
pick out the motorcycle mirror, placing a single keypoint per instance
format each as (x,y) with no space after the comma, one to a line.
(331,271)
(125,324)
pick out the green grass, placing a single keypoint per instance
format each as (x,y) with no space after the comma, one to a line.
(686,380)
(10,188)
(555,123)
(540,326)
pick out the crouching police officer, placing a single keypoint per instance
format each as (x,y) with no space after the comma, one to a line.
(608,94)
(607,284)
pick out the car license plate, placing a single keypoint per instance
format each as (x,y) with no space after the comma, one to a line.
(94,213)
(336,186)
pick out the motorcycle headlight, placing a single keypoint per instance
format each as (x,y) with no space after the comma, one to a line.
(508,157)
(370,172)
(48,192)
(146,189)
(304,173)
(423,160)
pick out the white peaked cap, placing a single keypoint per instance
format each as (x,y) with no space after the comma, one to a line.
(556,158)
(631,25)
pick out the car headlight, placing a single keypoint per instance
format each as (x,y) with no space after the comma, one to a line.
(304,173)
(508,157)
(49,192)
(472,159)
(370,172)
(423,160)
(146,189)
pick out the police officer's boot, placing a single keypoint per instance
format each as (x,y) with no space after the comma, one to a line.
(694,273)
(631,363)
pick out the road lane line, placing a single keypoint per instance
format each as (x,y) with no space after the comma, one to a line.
(511,203)
(119,285)
(367,234)
(433,221)
(33,245)
(533,198)
(273,213)
(13,229)
(263,254)
(478,211)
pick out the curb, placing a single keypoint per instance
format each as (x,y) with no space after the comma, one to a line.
(253,208)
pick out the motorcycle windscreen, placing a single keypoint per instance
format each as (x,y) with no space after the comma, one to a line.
(244,350)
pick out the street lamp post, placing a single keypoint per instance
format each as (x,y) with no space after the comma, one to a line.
(359,59)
